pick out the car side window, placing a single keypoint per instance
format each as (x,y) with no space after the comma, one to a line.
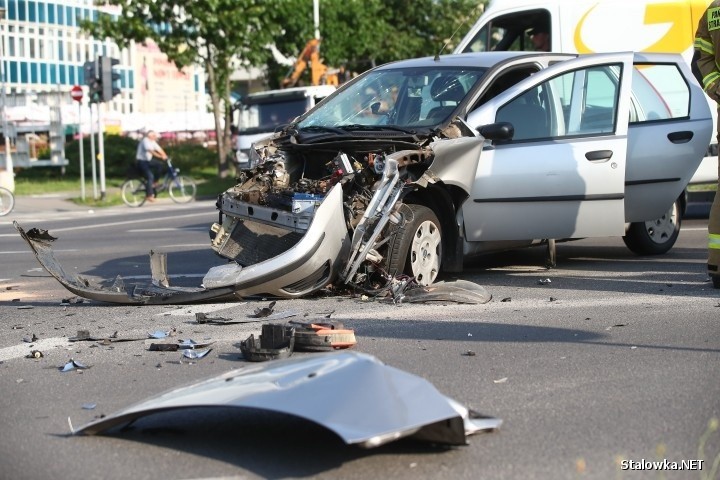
(589,99)
(580,102)
(659,92)
(528,115)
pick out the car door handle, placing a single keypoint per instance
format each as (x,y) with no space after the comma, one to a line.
(599,155)
(680,137)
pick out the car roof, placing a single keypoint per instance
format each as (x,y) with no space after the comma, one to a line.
(472,59)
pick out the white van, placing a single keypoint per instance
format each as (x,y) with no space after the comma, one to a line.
(259,114)
(594,26)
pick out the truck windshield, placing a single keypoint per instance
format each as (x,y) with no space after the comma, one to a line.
(265,116)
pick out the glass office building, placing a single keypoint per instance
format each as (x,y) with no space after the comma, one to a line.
(44,50)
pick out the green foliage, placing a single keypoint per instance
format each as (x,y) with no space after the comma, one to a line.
(364,33)
(119,153)
(211,33)
(191,158)
(219,34)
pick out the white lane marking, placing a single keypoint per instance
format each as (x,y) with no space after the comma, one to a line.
(44,344)
(169,229)
(30,251)
(181,245)
(174,275)
(127,222)
(694,229)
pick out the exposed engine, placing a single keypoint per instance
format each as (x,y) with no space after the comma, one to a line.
(273,204)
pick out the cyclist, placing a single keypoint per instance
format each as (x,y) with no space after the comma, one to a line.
(145,160)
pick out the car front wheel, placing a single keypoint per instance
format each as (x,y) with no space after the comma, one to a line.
(417,248)
(657,236)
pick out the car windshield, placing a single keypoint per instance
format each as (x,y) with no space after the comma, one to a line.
(401,98)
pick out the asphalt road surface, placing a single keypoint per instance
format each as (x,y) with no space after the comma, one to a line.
(615,358)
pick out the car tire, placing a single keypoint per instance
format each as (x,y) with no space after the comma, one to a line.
(417,248)
(657,236)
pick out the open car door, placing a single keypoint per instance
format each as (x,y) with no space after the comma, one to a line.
(562,175)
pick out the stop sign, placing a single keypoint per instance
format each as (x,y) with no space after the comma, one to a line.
(76,93)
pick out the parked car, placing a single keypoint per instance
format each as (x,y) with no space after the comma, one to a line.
(415,166)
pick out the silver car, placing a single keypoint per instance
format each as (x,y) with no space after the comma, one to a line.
(417,165)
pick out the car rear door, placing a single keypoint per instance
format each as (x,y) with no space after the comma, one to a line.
(563,173)
(670,129)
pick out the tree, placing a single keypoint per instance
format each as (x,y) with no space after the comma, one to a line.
(216,34)
(365,33)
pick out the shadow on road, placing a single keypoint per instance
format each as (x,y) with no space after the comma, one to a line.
(271,445)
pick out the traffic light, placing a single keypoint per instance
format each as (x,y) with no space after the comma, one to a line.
(108,77)
(93,81)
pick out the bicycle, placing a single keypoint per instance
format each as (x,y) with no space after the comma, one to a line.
(181,188)
(7,201)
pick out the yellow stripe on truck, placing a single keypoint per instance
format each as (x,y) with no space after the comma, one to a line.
(714,241)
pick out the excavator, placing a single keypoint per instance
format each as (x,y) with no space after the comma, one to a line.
(320,74)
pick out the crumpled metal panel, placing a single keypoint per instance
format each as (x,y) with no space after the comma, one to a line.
(321,247)
(118,292)
(356,396)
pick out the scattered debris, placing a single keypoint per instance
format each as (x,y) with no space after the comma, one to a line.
(458,291)
(506,299)
(194,354)
(202,318)
(322,336)
(89,406)
(264,311)
(468,353)
(501,380)
(382,403)
(72,365)
(39,234)
(181,345)
(192,344)
(34,354)
(553,299)
(24,307)
(73,300)
(84,336)
(283,314)
(157,334)
(164,347)
(276,341)
(545,281)
(30,338)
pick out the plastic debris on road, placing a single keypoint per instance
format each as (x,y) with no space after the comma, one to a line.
(276,341)
(73,365)
(195,354)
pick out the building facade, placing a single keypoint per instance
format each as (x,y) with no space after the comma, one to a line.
(44,50)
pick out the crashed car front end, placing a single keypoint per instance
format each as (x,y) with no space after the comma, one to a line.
(305,234)
(328,199)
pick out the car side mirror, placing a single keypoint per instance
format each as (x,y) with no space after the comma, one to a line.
(502,131)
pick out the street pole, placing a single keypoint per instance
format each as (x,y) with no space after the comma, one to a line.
(82,157)
(92,153)
(101,148)
(10,180)
(316,18)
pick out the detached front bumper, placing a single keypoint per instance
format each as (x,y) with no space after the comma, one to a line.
(307,266)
